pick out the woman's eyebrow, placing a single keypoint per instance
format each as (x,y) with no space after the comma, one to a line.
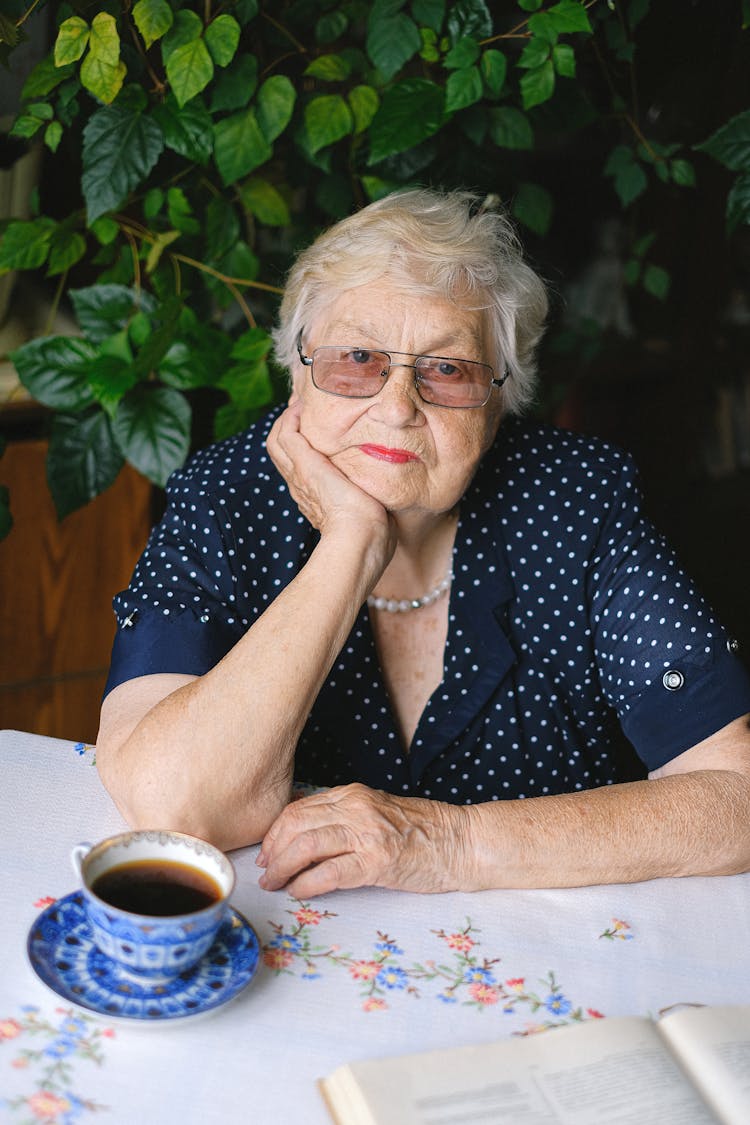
(360,332)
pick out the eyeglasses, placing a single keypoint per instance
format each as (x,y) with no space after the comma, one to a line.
(362,373)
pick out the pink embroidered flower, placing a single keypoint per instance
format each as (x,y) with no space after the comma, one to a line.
(374,1004)
(462,942)
(277,958)
(9,1029)
(483,993)
(619,925)
(516,983)
(47,1106)
(47,900)
(592,1012)
(109,1033)
(306,916)
(20,1063)
(364,970)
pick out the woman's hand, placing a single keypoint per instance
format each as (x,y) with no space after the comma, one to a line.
(324,495)
(353,836)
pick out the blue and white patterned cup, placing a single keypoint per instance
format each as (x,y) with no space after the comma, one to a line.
(153,947)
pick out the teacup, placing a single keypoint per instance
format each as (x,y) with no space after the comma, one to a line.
(154,900)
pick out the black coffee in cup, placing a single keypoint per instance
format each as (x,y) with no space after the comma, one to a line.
(157,887)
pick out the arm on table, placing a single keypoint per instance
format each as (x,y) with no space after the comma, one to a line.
(213,755)
(692,817)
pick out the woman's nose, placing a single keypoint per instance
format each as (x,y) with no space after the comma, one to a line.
(398,400)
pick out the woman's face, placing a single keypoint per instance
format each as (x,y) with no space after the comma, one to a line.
(408,454)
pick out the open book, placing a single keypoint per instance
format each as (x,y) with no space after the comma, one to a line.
(689,1068)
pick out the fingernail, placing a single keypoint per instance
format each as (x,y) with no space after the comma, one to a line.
(260,859)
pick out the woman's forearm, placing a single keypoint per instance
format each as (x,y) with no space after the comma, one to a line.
(215,757)
(685,824)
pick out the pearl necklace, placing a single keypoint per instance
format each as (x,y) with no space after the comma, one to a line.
(393,605)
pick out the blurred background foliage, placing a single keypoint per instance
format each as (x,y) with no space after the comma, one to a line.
(192,149)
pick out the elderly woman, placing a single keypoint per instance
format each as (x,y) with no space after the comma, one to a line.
(397,589)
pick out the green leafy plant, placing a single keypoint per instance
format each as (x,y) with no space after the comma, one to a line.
(214,139)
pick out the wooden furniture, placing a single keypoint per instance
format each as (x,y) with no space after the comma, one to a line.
(56,586)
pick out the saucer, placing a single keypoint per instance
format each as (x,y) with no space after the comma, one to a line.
(63,955)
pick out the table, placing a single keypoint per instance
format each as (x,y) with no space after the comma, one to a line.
(353,974)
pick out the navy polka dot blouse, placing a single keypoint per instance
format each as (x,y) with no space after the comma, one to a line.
(570,622)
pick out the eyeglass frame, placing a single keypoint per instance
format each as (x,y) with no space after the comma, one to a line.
(307,361)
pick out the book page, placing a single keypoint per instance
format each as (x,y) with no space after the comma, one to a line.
(616,1071)
(714,1046)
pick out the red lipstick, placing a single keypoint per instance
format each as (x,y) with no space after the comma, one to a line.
(394,456)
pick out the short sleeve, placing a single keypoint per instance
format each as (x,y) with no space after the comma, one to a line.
(666,664)
(179,612)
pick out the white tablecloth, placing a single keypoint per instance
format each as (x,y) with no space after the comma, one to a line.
(351,975)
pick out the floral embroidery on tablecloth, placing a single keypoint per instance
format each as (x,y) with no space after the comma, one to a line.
(67,1039)
(83,748)
(463,977)
(618,931)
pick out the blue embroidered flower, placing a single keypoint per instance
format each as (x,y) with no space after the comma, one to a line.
(557,1004)
(73,1025)
(310,974)
(387,947)
(61,1048)
(475,975)
(447,997)
(80,748)
(286,941)
(392,977)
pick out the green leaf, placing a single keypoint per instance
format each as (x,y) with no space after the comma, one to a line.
(429,50)
(239,146)
(164,239)
(564,60)
(392,38)
(222,227)
(509,128)
(364,102)
(656,281)
(188,129)
(327,119)
(153,201)
(682,172)
(465,53)
(187,27)
(494,67)
(25,244)
(234,88)
(429,13)
(222,39)
(152,430)
(532,206)
(28,124)
(180,212)
(535,53)
(44,78)
(103,309)
(189,70)
(569,16)
(66,248)
(265,202)
(463,88)
(469,17)
(252,345)
(275,105)
(102,73)
(329,68)
(105,230)
(53,135)
(530,5)
(730,144)
(330,26)
(631,271)
(538,85)
(153,18)
(119,150)
(377,188)
(410,112)
(161,327)
(72,40)
(628,175)
(738,202)
(82,460)
(542,27)
(247,385)
(54,370)
(110,378)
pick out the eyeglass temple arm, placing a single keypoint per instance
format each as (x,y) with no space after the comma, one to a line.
(305,359)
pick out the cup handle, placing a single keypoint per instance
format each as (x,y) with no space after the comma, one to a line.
(78,854)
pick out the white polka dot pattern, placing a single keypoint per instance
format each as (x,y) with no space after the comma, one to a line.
(567,611)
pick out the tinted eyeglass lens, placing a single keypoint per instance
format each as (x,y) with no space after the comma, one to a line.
(352,372)
(453,382)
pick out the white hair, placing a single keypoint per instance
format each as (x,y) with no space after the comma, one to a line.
(434,243)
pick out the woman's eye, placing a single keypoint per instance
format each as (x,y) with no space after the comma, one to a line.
(445,368)
(359,355)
